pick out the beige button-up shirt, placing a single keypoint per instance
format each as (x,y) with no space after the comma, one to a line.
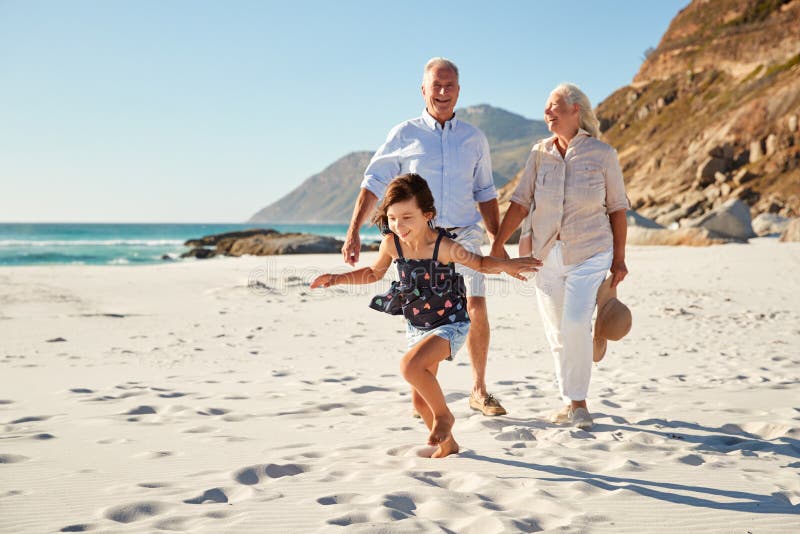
(571,196)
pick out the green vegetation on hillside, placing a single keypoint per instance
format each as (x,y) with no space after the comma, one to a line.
(757,12)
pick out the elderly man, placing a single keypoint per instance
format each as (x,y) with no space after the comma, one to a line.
(453,157)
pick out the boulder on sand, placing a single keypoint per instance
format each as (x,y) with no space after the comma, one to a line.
(644,231)
(731,219)
(267,245)
(770,224)
(260,242)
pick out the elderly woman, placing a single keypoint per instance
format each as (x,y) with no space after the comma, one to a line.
(572,188)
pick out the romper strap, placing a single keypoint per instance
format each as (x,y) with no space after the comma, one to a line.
(442,233)
(400,250)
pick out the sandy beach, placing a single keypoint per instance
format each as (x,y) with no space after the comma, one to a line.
(225,396)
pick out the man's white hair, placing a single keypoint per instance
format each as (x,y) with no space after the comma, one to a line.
(573,95)
(439,62)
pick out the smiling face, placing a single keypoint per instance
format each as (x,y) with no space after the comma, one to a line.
(407,221)
(440,91)
(561,118)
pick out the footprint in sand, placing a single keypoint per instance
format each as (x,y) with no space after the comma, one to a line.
(250,476)
(368,389)
(154,455)
(12,458)
(395,508)
(125,395)
(30,419)
(626,466)
(402,450)
(83,527)
(141,410)
(337,380)
(402,502)
(349,519)
(129,513)
(421,451)
(516,434)
(692,459)
(172,395)
(342,498)
(456,396)
(212,411)
(154,485)
(510,382)
(200,430)
(213,495)
(174,524)
(527,525)
(218,514)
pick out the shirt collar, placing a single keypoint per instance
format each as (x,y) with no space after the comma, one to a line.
(550,142)
(433,123)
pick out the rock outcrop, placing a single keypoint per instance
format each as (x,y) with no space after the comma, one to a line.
(712,114)
(266,245)
(261,242)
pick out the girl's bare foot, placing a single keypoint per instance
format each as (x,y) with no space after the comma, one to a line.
(446,448)
(441,430)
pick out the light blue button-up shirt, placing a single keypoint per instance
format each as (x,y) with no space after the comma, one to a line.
(454,160)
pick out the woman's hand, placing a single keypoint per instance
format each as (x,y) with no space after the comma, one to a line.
(618,272)
(514,267)
(323,280)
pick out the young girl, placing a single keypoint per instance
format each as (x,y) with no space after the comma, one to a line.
(430,294)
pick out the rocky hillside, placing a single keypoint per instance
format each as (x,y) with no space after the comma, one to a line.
(328,197)
(713,113)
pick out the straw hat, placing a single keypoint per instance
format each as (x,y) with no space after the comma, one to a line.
(613,321)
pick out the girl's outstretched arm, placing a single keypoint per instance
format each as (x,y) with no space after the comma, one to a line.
(365,275)
(451,251)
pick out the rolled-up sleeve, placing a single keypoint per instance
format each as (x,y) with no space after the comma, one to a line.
(616,199)
(483,188)
(383,167)
(523,194)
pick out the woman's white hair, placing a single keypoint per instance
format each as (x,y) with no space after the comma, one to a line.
(573,95)
(439,62)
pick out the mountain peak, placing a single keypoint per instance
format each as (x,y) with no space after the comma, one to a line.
(501,125)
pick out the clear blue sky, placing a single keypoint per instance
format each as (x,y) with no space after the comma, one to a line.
(201,111)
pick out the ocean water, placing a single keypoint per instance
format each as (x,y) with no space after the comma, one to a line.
(125,244)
